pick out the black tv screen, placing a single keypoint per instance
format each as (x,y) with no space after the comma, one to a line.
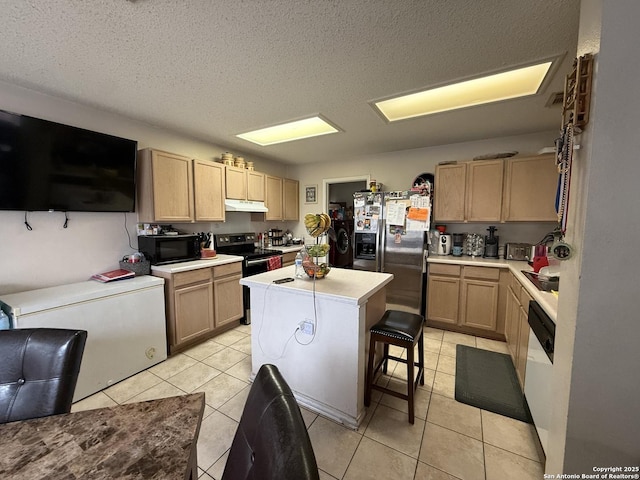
(49,166)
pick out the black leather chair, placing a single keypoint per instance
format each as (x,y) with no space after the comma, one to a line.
(38,371)
(271,441)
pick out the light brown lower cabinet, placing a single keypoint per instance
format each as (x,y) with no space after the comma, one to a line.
(289,259)
(467,299)
(201,303)
(517,326)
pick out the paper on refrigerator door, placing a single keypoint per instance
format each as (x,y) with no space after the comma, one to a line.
(395,213)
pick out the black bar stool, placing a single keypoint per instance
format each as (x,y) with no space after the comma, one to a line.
(402,329)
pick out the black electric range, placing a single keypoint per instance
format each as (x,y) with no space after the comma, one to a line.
(256,259)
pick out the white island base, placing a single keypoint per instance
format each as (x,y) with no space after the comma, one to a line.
(326,369)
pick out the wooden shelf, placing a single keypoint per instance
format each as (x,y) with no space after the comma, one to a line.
(577,93)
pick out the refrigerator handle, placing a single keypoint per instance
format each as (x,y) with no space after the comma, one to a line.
(425,254)
(381,244)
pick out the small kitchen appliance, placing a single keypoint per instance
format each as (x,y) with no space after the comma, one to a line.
(491,243)
(163,249)
(517,251)
(458,243)
(444,244)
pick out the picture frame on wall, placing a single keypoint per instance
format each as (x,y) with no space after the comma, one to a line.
(311,194)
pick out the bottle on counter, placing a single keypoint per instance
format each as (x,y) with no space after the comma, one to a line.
(5,323)
(299,268)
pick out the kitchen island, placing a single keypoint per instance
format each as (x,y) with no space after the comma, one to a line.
(317,334)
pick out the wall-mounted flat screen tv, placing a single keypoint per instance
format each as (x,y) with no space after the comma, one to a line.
(47,166)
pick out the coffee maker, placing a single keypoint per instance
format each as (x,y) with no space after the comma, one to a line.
(458,244)
(491,243)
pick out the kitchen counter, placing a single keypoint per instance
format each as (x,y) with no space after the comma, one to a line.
(219,259)
(345,285)
(547,300)
(325,368)
(288,248)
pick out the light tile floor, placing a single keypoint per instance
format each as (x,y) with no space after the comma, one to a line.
(448,440)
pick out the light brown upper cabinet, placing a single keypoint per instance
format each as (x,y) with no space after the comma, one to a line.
(165,187)
(209,191)
(291,199)
(530,189)
(245,184)
(282,198)
(273,197)
(236,182)
(173,188)
(484,191)
(255,186)
(450,190)
(469,191)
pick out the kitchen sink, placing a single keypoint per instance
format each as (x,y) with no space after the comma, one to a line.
(543,283)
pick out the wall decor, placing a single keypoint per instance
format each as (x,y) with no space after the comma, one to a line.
(311,194)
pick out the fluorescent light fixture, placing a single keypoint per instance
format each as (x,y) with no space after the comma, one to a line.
(287,132)
(492,88)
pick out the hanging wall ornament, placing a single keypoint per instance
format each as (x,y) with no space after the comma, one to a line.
(564,156)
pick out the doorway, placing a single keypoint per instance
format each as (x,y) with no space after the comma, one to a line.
(339,204)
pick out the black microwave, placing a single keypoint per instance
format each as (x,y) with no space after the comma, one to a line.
(163,249)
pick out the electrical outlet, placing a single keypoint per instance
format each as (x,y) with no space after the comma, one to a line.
(307,327)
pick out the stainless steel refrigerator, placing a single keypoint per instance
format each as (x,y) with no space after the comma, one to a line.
(390,236)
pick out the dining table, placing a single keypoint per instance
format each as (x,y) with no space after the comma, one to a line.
(155,439)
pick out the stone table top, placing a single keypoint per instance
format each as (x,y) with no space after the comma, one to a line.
(147,440)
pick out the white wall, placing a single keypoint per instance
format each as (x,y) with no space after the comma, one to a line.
(595,421)
(51,255)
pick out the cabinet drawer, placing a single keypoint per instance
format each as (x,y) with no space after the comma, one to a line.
(443,269)
(485,273)
(228,269)
(192,276)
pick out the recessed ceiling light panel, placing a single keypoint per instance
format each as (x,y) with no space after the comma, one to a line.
(492,88)
(287,132)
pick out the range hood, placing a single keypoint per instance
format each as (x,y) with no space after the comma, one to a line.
(244,206)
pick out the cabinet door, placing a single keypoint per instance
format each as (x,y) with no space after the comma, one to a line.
(530,189)
(513,324)
(484,191)
(209,191)
(228,300)
(236,183)
(172,187)
(289,258)
(273,197)
(194,311)
(523,345)
(291,199)
(442,299)
(479,304)
(450,186)
(255,186)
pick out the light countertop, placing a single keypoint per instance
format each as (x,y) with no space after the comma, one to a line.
(352,286)
(547,300)
(219,259)
(288,248)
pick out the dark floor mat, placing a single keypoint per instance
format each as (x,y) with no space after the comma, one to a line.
(488,380)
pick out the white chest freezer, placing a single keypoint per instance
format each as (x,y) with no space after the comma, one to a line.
(124,319)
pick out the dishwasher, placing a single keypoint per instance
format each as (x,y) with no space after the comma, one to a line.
(537,385)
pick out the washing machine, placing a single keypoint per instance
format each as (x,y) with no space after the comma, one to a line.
(341,250)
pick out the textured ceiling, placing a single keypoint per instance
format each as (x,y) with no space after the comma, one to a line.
(215,68)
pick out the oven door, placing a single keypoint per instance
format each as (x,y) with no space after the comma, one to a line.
(252,266)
